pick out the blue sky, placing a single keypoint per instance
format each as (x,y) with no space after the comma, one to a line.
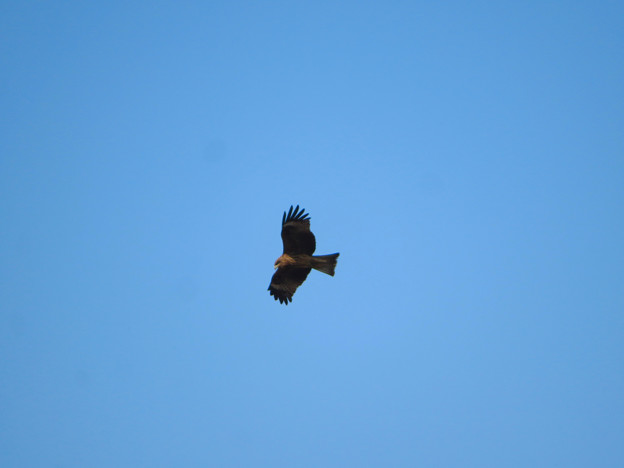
(465,158)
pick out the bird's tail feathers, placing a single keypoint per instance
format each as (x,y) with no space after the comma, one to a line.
(325,263)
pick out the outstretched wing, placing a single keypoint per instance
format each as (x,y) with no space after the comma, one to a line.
(296,234)
(285,282)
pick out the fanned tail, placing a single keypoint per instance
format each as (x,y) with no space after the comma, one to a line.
(325,263)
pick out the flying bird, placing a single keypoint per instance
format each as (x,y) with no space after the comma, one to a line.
(297,260)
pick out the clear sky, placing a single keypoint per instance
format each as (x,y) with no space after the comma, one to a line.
(465,158)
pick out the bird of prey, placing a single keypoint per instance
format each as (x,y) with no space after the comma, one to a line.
(297,260)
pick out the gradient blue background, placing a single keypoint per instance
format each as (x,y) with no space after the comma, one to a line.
(466,159)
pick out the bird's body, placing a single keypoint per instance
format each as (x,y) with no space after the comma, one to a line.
(294,265)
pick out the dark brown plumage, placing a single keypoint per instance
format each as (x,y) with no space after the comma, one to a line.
(297,260)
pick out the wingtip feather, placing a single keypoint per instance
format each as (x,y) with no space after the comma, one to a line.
(295,214)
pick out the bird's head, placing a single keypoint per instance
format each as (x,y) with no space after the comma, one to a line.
(284,261)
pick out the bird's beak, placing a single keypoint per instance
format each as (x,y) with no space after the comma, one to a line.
(275,267)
